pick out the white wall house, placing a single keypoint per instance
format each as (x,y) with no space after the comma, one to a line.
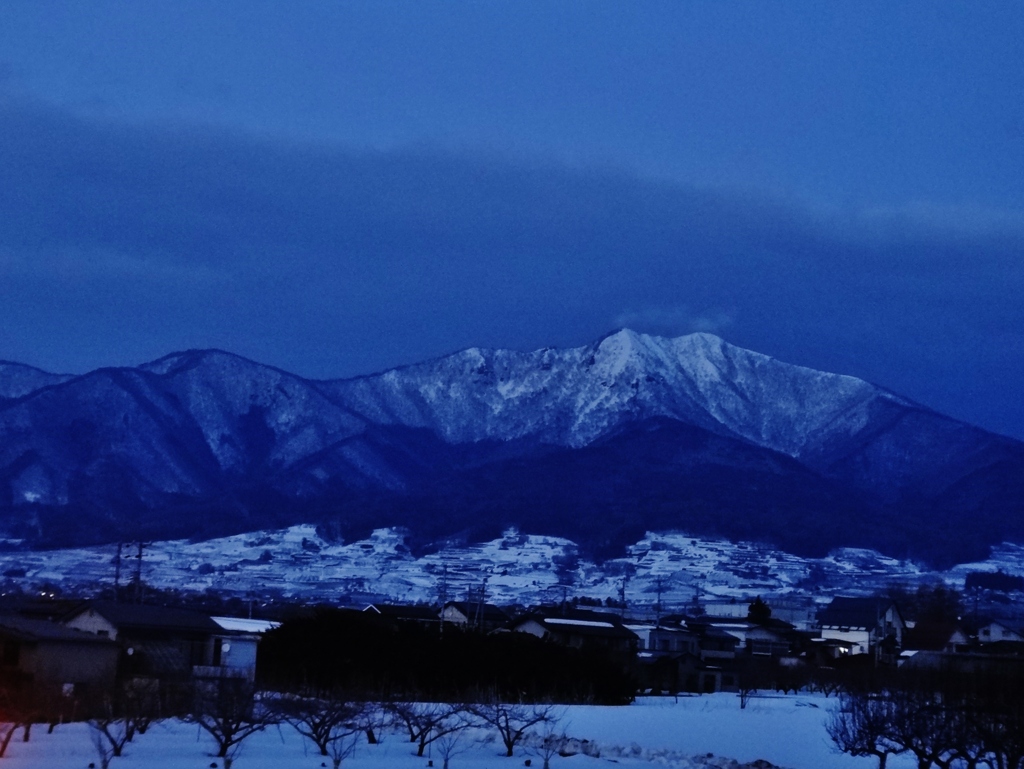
(864,623)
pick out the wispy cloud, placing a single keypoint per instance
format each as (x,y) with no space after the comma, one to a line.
(141,239)
(674,321)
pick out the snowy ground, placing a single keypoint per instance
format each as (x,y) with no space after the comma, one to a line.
(788,731)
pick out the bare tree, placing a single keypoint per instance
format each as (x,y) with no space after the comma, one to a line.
(328,721)
(995,731)
(342,746)
(922,724)
(512,721)
(140,702)
(550,741)
(109,734)
(751,675)
(228,711)
(450,745)
(103,745)
(861,726)
(428,722)
(18,711)
(375,718)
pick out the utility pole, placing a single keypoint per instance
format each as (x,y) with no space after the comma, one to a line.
(657,606)
(442,596)
(138,571)
(442,588)
(117,572)
(480,605)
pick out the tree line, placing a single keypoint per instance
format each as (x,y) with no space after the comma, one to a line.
(374,658)
(965,717)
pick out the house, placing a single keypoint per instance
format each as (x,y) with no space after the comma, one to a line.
(157,641)
(734,609)
(234,648)
(580,629)
(993,632)
(474,615)
(872,625)
(825,652)
(685,673)
(427,616)
(768,636)
(38,652)
(768,641)
(658,640)
(715,643)
(935,637)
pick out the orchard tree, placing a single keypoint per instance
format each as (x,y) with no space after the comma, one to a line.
(513,721)
(862,726)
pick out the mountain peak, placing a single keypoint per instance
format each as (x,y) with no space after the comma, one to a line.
(180,362)
(627,350)
(19,379)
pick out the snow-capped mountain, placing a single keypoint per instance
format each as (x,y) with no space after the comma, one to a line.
(573,397)
(835,424)
(631,433)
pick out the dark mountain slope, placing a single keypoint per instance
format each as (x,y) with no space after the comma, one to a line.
(596,443)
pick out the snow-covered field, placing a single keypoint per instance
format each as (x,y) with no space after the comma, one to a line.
(788,731)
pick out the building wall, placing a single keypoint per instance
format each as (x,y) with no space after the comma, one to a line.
(532,627)
(453,615)
(91,622)
(738,610)
(891,623)
(997,632)
(241,652)
(70,663)
(857,636)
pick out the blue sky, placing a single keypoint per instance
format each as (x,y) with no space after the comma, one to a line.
(335,188)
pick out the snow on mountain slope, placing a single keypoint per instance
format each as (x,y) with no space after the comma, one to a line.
(633,432)
(514,569)
(89,430)
(571,397)
(253,416)
(18,380)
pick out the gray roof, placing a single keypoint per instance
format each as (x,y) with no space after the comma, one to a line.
(412,612)
(139,617)
(35,630)
(854,612)
(581,623)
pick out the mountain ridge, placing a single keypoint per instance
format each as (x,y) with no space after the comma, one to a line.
(216,441)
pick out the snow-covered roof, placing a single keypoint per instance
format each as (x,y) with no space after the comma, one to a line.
(239,625)
(576,622)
